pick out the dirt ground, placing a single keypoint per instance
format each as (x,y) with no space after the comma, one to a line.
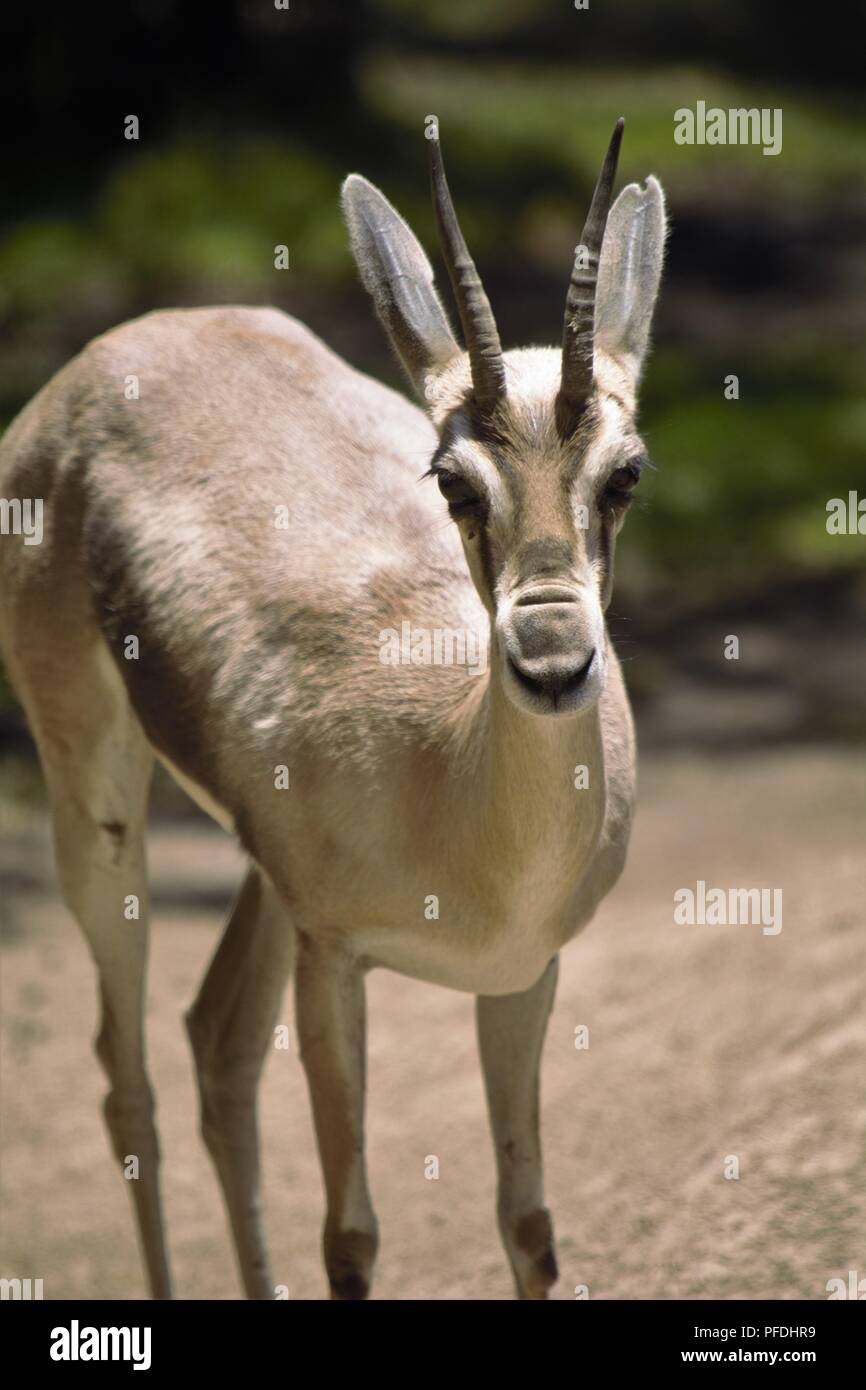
(705,1042)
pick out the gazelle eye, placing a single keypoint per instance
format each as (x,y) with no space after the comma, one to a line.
(456,491)
(617,492)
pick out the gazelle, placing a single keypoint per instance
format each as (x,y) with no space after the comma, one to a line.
(166,614)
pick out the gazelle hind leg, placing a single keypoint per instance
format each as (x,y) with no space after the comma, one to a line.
(511,1031)
(97,765)
(230,1026)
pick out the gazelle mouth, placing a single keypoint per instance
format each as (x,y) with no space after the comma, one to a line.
(557,693)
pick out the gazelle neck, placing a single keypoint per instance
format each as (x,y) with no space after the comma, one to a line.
(535,779)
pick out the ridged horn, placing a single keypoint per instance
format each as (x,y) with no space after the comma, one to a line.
(579,327)
(479,326)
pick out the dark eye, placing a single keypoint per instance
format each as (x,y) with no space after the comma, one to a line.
(617,493)
(457,493)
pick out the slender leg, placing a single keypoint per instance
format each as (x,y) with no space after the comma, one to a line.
(98,779)
(331,1022)
(511,1032)
(230,1026)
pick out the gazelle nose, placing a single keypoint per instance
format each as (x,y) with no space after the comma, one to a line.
(546,593)
(550,631)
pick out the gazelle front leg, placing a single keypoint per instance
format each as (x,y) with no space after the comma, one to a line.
(511,1031)
(331,1022)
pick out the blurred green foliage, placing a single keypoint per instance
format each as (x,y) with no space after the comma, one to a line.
(189,215)
(742,486)
(562,116)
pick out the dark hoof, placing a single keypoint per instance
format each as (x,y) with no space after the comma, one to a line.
(538,1269)
(350,1288)
(349,1257)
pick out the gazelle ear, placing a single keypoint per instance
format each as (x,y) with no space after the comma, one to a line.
(399,277)
(629,271)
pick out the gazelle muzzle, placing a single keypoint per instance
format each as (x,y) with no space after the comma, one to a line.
(552,643)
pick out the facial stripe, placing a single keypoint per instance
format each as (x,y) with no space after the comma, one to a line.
(486,557)
(605,561)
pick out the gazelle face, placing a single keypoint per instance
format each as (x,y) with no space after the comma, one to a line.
(538,515)
(538,453)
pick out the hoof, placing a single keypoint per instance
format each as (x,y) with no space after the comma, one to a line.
(350,1289)
(535,1259)
(349,1257)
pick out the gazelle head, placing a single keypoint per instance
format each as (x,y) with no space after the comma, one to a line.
(538,450)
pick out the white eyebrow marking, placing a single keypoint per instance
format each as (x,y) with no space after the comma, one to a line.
(480,470)
(615,440)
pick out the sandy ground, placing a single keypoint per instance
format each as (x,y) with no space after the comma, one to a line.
(705,1042)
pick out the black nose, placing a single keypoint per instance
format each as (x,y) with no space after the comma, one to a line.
(556,682)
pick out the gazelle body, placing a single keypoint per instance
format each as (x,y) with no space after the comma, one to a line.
(257,661)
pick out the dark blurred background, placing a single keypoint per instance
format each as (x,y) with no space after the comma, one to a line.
(251,115)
